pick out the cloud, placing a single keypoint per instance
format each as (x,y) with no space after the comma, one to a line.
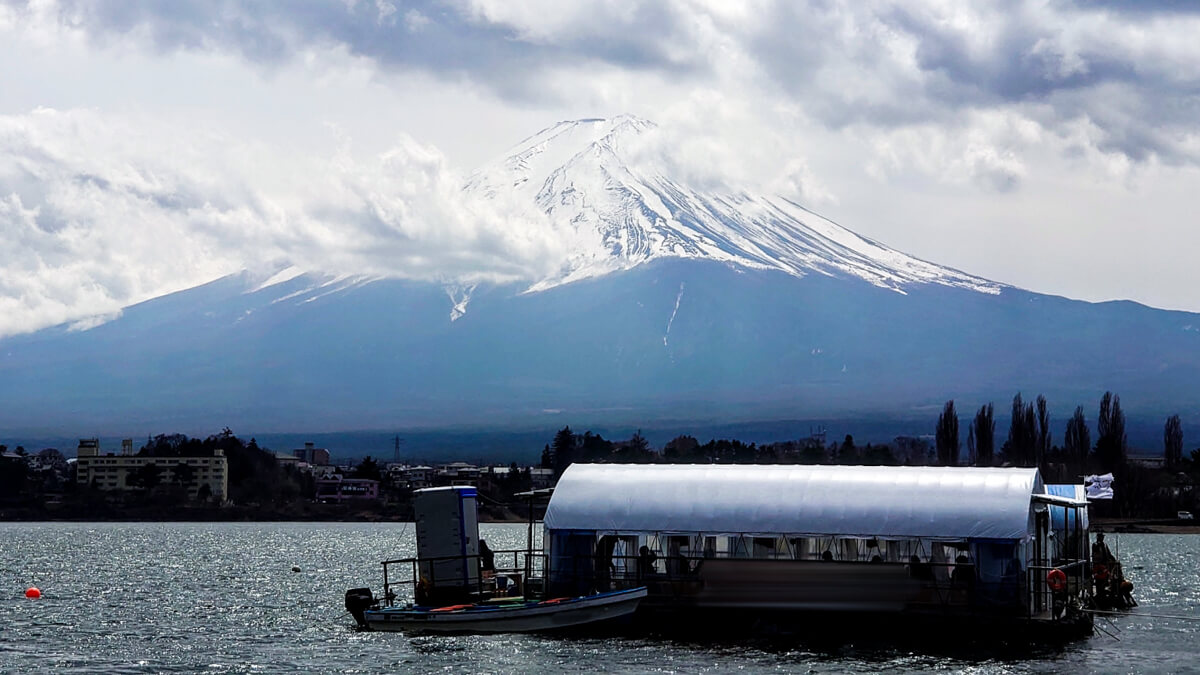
(1124,67)
(716,143)
(961,110)
(985,151)
(97,213)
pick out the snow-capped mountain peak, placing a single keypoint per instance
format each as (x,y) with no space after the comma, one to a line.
(592,179)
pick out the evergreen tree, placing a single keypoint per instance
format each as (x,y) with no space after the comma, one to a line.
(1110,431)
(546,463)
(563,449)
(972,458)
(1078,441)
(368,468)
(591,448)
(848,453)
(1022,433)
(1173,442)
(947,435)
(637,450)
(1043,431)
(878,455)
(1013,446)
(680,447)
(985,436)
(1029,425)
(638,443)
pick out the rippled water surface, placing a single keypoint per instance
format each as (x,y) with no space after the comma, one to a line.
(222,597)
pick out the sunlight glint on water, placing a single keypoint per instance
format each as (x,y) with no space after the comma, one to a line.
(222,598)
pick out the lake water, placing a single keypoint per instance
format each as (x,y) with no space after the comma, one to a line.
(222,598)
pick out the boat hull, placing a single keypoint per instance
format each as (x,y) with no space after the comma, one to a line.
(522,618)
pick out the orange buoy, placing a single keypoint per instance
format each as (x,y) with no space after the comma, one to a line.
(33,593)
(1056,579)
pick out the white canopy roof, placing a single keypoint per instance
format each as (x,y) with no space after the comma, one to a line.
(864,501)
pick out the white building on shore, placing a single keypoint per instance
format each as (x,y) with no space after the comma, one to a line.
(126,471)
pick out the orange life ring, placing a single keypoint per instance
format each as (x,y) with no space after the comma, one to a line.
(1056,580)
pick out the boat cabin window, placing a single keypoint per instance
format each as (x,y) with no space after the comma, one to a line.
(739,547)
(678,552)
(811,548)
(624,558)
(764,547)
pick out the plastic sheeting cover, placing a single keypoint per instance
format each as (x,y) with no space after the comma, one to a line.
(867,501)
(1061,518)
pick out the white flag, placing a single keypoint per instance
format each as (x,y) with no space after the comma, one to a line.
(1099,487)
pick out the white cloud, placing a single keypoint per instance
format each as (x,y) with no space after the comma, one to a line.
(97,214)
(937,127)
(986,150)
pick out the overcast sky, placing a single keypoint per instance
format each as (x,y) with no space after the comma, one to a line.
(146,147)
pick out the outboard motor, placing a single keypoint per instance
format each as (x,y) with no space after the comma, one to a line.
(358,601)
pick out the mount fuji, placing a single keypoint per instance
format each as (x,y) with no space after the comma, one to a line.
(625,213)
(674,304)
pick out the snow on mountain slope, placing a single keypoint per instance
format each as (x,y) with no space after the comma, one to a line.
(625,213)
(600,183)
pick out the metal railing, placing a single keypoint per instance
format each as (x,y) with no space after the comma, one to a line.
(422,574)
(1042,598)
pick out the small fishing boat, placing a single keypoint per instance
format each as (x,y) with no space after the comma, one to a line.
(507,615)
(457,584)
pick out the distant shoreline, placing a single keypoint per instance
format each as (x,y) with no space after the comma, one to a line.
(311,513)
(347,515)
(1145,526)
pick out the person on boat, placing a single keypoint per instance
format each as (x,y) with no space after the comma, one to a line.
(487,559)
(1125,588)
(918,569)
(963,573)
(1100,553)
(677,563)
(646,559)
(1106,572)
(606,570)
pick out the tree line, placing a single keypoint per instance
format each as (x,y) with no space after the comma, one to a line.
(569,447)
(1139,489)
(1029,442)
